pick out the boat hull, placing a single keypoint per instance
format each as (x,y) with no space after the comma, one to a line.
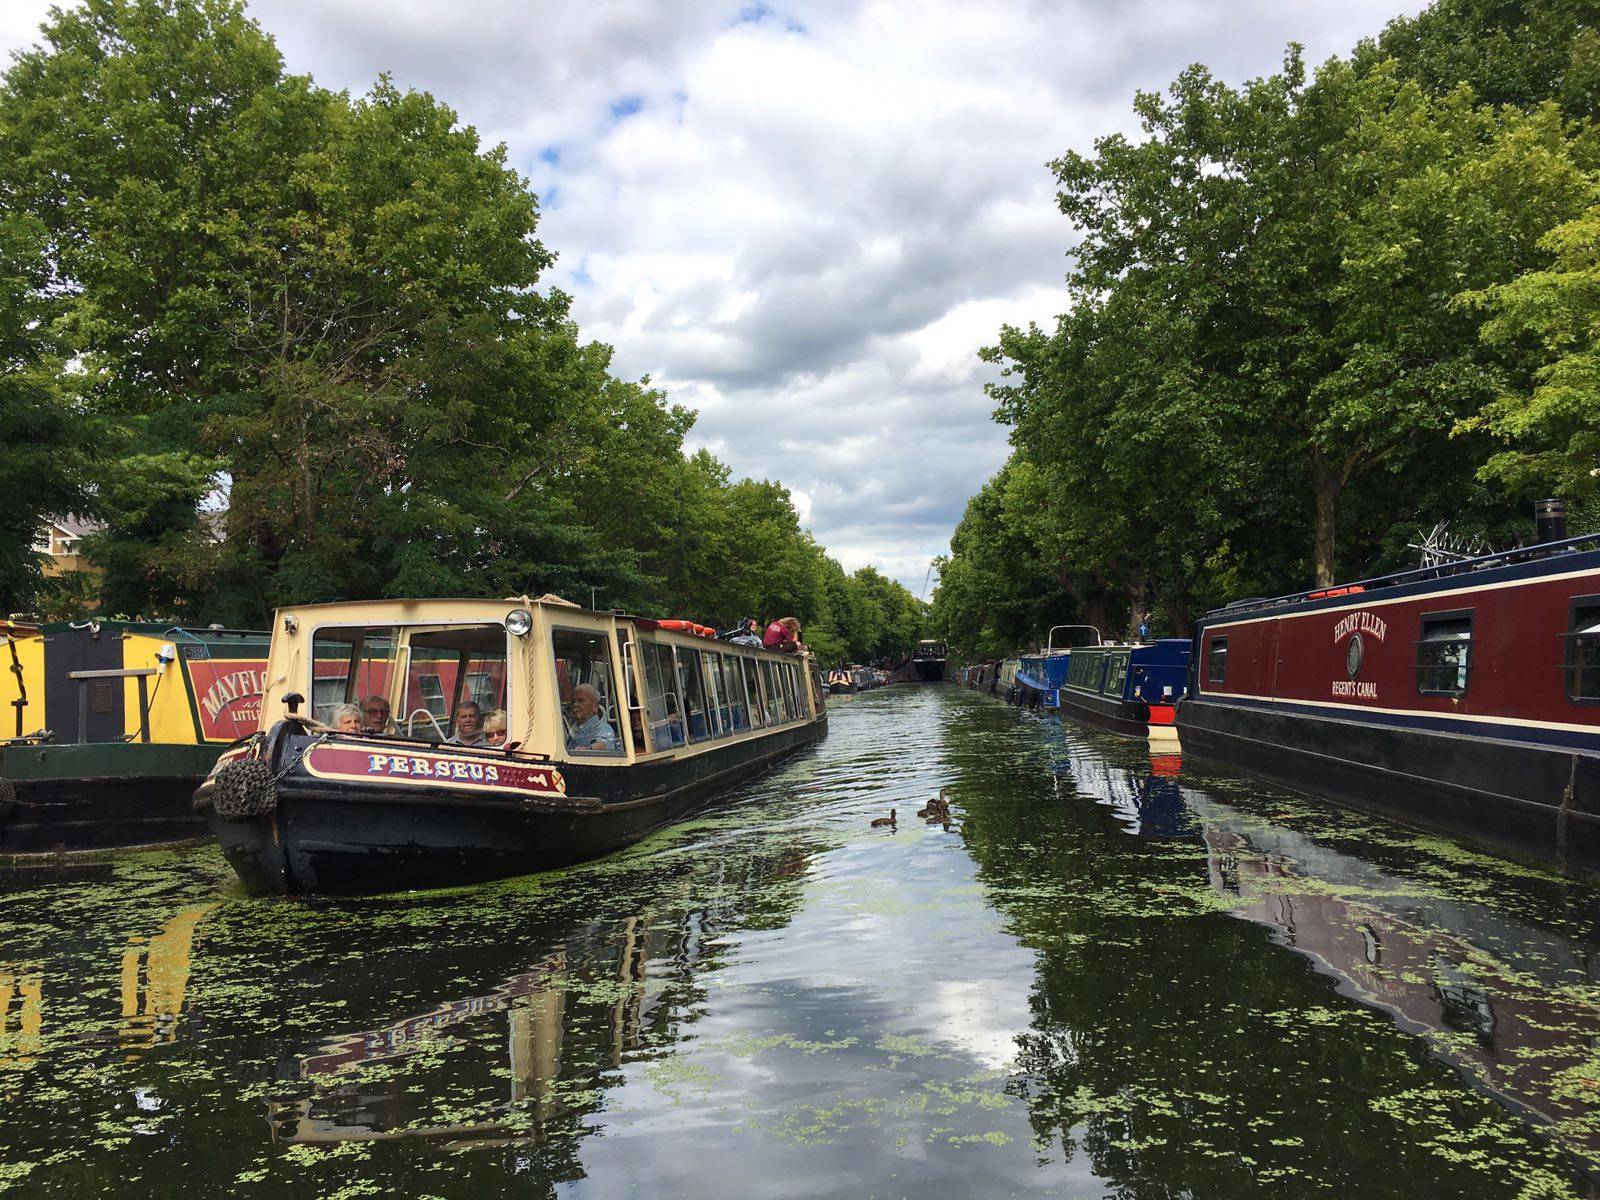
(1130,718)
(1538,801)
(100,796)
(357,839)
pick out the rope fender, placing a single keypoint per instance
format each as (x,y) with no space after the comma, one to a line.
(244,790)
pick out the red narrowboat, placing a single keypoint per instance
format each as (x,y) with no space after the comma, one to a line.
(1463,697)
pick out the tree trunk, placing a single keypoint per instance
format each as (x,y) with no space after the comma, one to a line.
(1177,616)
(1327,484)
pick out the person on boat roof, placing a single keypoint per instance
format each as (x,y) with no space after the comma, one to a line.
(783,634)
(375,715)
(469,726)
(591,730)
(346,718)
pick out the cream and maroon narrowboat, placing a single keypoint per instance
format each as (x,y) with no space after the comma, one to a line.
(614,726)
(1463,697)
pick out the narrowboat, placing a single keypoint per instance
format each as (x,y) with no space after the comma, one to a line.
(1126,689)
(1040,676)
(110,725)
(842,682)
(613,726)
(1463,697)
(1005,679)
(928,660)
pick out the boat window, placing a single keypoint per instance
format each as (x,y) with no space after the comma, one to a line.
(1116,674)
(348,666)
(777,710)
(585,687)
(786,687)
(661,697)
(691,689)
(1444,653)
(431,692)
(448,670)
(738,709)
(1217,660)
(758,701)
(716,705)
(802,688)
(1582,661)
(631,651)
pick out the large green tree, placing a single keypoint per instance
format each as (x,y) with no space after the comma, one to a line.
(49,438)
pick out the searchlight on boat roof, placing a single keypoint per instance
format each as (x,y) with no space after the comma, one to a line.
(518,622)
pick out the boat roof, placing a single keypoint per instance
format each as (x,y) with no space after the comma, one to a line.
(1518,556)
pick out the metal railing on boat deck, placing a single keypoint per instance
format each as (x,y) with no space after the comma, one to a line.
(1500,558)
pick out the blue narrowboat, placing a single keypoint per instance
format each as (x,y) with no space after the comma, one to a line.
(1041,676)
(1127,688)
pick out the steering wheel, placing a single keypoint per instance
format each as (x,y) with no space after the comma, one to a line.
(411,723)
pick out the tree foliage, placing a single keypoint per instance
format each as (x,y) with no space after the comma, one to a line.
(314,333)
(1270,368)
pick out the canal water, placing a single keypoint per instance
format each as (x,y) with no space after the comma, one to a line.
(1114,973)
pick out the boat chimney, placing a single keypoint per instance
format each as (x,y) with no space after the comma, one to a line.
(1550,521)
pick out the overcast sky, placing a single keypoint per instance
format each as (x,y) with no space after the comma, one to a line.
(804,220)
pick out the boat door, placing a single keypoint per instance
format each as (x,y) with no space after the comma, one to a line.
(1272,658)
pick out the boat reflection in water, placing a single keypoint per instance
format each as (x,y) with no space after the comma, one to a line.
(1509,1004)
(154,976)
(605,1003)
(155,980)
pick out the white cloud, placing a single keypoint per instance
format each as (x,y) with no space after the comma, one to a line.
(803,220)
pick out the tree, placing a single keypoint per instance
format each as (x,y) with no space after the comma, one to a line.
(1553,430)
(48,437)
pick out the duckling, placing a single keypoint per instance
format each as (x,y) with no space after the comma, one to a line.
(880,822)
(938,808)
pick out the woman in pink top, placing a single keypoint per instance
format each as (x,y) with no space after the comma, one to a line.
(783,634)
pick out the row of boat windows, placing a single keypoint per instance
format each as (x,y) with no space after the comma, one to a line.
(691,695)
(1444,654)
(1098,672)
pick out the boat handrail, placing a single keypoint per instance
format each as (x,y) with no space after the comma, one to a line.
(1050,638)
(1502,558)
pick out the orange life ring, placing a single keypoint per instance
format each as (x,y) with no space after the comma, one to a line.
(693,627)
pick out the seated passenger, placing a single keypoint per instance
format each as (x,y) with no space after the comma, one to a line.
(591,731)
(469,726)
(345,718)
(783,634)
(375,715)
(494,727)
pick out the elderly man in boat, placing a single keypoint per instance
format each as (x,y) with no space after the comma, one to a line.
(591,731)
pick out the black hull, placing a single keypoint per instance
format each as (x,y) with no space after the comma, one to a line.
(367,839)
(96,797)
(1130,719)
(1535,802)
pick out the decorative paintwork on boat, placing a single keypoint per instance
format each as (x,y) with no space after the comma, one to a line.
(615,725)
(111,724)
(1464,697)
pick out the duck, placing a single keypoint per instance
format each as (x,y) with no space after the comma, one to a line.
(880,822)
(938,809)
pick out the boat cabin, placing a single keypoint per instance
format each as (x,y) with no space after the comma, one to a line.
(570,683)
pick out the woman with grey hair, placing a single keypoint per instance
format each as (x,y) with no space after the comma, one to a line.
(345,718)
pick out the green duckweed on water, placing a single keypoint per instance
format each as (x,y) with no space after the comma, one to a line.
(1101,980)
